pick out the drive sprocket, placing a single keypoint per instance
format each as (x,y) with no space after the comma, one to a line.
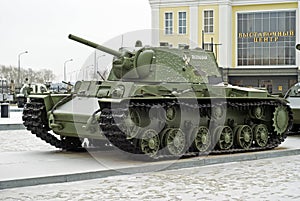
(280,119)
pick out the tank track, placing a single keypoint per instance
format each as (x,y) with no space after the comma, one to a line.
(118,138)
(35,120)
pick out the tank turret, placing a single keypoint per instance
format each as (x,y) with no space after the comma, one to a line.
(152,64)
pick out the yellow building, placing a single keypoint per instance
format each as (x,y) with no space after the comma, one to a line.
(253,40)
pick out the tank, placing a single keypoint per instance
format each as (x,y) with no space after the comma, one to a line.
(160,102)
(26,89)
(293,97)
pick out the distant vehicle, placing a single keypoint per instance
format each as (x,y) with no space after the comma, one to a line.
(27,89)
(58,87)
(5,95)
(293,96)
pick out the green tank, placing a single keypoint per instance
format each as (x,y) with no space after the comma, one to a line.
(160,102)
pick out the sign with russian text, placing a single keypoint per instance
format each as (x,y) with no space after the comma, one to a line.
(266,38)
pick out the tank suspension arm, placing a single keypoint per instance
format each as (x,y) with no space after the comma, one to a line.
(95,45)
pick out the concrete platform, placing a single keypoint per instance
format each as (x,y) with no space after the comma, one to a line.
(30,168)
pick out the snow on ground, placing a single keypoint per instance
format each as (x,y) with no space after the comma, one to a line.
(21,140)
(268,179)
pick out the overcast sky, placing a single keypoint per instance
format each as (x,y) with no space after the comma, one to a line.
(41,27)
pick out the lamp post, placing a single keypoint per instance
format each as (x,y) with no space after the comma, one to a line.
(85,75)
(71,75)
(98,62)
(97,66)
(19,67)
(65,75)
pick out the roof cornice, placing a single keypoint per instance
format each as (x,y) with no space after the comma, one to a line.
(253,2)
(176,3)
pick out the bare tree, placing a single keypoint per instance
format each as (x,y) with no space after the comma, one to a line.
(11,73)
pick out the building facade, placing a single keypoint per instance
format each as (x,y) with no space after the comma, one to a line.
(253,40)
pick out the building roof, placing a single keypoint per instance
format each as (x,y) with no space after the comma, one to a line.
(166,3)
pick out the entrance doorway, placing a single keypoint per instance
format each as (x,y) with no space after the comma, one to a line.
(266,84)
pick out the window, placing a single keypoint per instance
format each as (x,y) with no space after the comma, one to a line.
(169,23)
(208,46)
(182,22)
(208,21)
(266,38)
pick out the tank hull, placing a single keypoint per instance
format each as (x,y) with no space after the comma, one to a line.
(160,102)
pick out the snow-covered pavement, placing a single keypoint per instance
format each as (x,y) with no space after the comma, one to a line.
(265,179)
(21,140)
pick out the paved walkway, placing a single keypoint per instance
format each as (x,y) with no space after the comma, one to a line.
(266,179)
(23,155)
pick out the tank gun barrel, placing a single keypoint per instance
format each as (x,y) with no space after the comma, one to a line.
(95,45)
(67,83)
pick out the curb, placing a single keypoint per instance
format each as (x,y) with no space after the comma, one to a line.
(12,127)
(15,110)
(179,164)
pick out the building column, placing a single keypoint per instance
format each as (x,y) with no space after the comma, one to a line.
(155,26)
(298,39)
(225,36)
(225,72)
(194,26)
